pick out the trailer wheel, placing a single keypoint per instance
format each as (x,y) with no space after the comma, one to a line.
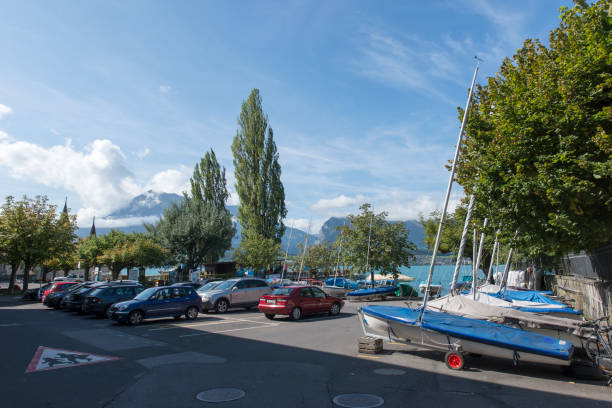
(454,360)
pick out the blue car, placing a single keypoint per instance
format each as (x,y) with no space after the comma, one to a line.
(164,301)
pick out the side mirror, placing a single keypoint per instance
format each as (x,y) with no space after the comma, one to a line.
(154,297)
(234,289)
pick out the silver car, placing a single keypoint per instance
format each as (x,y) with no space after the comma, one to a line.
(235,293)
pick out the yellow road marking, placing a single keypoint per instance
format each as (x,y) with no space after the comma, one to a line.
(366,356)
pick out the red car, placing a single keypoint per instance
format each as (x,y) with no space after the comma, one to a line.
(296,301)
(57,287)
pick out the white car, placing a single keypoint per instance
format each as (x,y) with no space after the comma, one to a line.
(235,293)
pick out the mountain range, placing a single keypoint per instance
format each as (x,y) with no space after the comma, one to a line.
(149,206)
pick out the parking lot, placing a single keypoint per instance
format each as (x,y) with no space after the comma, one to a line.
(54,358)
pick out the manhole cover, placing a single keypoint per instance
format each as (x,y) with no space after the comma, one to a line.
(389,371)
(221,395)
(358,400)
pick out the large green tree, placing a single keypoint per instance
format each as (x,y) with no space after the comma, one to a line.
(208,182)
(32,232)
(257,252)
(194,232)
(538,152)
(258,173)
(321,258)
(390,247)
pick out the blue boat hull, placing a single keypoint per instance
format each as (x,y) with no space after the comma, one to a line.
(443,331)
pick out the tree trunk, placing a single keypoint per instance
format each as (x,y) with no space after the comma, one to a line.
(115,271)
(53,275)
(14,268)
(86,269)
(26,276)
(141,275)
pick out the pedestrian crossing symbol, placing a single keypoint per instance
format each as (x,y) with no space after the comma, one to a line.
(47,358)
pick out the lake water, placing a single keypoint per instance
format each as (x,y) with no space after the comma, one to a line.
(443,274)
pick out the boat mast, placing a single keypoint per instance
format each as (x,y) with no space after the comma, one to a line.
(495,244)
(287,253)
(368,254)
(448,190)
(507,267)
(466,228)
(479,257)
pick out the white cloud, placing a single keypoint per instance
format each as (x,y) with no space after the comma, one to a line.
(341,201)
(5,110)
(510,22)
(143,153)
(304,224)
(170,181)
(165,88)
(98,174)
(412,63)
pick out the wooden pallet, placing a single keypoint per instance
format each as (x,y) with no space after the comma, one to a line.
(370,345)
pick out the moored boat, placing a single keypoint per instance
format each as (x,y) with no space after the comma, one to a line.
(372,293)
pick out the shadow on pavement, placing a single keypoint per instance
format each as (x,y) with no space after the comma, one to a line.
(272,374)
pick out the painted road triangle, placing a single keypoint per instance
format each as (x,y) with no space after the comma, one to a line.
(47,358)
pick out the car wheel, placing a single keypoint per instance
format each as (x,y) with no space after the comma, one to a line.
(191,313)
(296,313)
(221,306)
(270,316)
(335,309)
(135,317)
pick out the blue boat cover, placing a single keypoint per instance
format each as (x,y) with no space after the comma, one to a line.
(376,291)
(480,331)
(341,283)
(527,295)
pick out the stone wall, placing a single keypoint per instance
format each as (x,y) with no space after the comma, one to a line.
(592,296)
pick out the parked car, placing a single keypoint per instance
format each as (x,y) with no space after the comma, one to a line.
(208,287)
(100,299)
(58,287)
(235,293)
(195,285)
(297,301)
(55,299)
(74,300)
(158,302)
(35,294)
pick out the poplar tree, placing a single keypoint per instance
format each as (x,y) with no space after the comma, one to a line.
(208,182)
(258,173)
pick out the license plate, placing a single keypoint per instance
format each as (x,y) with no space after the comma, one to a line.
(273,301)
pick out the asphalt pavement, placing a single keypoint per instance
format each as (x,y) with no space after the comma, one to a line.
(58,359)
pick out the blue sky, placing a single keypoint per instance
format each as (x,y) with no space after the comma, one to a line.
(100,101)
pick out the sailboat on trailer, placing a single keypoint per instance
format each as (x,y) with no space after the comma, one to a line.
(457,334)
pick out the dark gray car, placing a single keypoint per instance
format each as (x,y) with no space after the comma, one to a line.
(100,299)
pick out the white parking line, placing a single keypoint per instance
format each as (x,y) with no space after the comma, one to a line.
(224,321)
(224,331)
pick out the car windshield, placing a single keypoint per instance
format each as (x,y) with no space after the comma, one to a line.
(209,286)
(283,291)
(226,285)
(146,294)
(96,292)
